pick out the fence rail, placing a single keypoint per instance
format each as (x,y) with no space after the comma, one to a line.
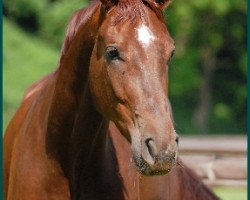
(219,160)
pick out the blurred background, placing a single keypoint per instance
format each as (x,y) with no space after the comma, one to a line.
(207,75)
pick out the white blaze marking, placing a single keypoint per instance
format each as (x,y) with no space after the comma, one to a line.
(145,36)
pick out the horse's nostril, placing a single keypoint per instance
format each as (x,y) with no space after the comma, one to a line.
(177,140)
(151,147)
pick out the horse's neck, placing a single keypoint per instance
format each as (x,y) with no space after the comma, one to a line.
(91,167)
(76,134)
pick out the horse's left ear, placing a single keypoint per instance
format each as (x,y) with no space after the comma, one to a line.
(109,3)
(160,4)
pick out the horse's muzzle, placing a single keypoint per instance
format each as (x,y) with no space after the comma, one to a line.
(156,164)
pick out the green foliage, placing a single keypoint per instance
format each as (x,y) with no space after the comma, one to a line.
(203,31)
(54,22)
(50,16)
(23,64)
(22,8)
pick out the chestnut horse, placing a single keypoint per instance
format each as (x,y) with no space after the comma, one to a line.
(100,126)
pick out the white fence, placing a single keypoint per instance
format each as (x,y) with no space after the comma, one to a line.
(219,160)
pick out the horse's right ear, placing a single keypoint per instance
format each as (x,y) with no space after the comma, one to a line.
(108,3)
(159,4)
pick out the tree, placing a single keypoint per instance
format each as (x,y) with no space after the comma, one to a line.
(211,49)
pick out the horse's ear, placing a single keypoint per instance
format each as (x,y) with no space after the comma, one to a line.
(159,4)
(109,3)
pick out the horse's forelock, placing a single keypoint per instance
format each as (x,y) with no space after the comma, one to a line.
(133,10)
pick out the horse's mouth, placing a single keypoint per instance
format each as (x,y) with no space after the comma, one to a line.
(157,169)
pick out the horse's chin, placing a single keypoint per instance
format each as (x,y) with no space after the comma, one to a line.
(152,170)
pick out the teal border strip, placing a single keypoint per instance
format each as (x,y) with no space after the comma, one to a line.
(1,88)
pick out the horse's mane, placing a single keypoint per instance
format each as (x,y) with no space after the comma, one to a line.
(79,17)
(126,10)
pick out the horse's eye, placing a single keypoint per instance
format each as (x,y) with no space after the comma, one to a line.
(112,53)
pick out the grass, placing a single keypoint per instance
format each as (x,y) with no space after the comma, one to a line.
(228,193)
(25,60)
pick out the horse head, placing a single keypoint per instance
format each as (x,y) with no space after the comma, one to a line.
(128,80)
